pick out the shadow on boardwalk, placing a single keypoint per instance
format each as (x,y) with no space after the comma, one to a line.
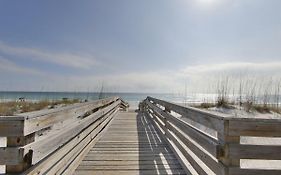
(155,157)
(130,146)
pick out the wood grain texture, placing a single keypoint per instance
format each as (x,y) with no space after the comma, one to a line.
(197,115)
(11,156)
(61,157)
(208,143)
(135,152)
(56,140)
(10,128)
(220,151)
(40,120)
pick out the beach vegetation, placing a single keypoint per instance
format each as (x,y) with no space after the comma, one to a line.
(15,107)
(248,93)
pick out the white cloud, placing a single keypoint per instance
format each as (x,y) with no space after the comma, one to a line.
(8,66)
(205,77)
(197,78)
(266,68)
(131,82)
(63,58)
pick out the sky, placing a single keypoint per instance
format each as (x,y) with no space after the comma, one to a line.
(136,46)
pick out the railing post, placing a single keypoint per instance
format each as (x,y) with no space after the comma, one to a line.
(167,110)
(225,140)
(142,106)
(18,141)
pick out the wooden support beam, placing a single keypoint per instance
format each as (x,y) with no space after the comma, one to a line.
(11,126)
(21,140)
(24,161)
(225,157)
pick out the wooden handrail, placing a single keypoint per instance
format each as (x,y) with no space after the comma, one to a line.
(49,141)
(219,153)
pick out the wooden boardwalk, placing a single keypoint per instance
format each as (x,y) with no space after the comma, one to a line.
(98,138)
(131,145)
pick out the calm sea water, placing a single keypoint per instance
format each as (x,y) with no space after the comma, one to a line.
(132,98)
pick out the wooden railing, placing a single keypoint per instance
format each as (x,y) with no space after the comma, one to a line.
(213,144)
(53,141)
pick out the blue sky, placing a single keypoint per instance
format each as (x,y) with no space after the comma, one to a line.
(136,46)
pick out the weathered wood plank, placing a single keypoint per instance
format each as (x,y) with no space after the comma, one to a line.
(89,105)
(64,154)
(70,167)
(207,142)
(238,171)
(121,157)
(113,150)
(204,156)
(21,140)
(142,145)
(255,128)
(130,172)
(205,118)
(26,158)
(54,141)
(129,152)
(255,152)
(11,155)
(36,121)
(140,149)
(127,162)
(11,127)
(170,145)
(224,146)
(129,167)
(159,122)
(192,161)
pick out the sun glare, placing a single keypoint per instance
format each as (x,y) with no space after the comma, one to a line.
(207,2)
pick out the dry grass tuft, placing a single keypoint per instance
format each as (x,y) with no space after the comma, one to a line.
(205,105)
(14,107)
(266,109)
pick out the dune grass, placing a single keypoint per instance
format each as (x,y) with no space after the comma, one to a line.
(251,94)
(204,105)
(14,107)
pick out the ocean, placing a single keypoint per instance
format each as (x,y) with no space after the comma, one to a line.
(132,98)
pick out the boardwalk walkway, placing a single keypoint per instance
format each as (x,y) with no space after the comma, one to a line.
(96,137)
(131,145)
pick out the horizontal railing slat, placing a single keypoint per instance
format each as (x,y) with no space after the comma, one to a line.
(45,147)
(47,140)
(199,137)
(62,156)
(36,122)
(160,130)
(205,141)
(44,112)
(241,151)
(255,128)
(67,167)
(11,127)
(158,121)
(199,116)
(214,165)
(11,156)
(239,171)
(191,160)
(221,152)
